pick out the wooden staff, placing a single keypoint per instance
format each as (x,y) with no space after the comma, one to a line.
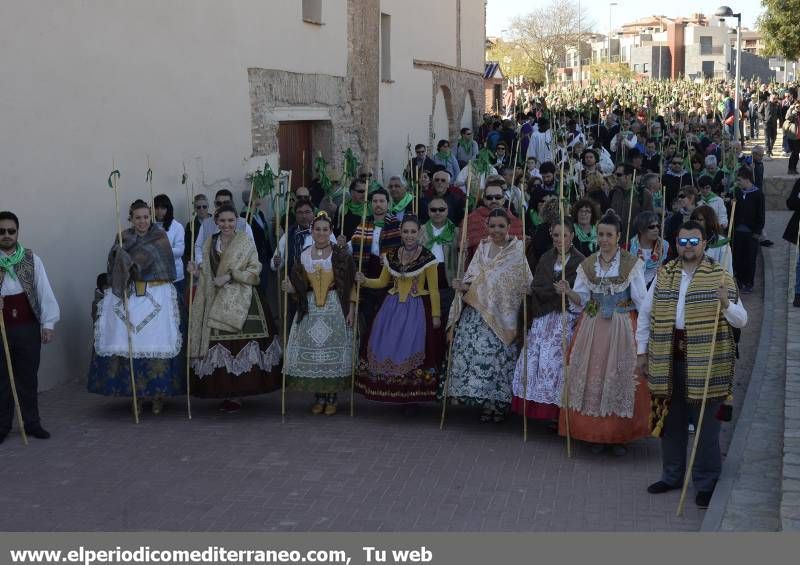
(149,178)
(275,200)
(663,213)
(11,382)
(564,357)
(354,355)
(525,340)
(416,189)
(459,275)
(630,211)
(113,179)
(699,424)
(249,213)
(303,169)
(189,200)
(285,302)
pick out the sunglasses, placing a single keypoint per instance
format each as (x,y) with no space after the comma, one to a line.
(684,241)
(362,191)
(221,203)
(200,206)
(438,209)
(9,231)
(653,226)
(681,195)
(494,197)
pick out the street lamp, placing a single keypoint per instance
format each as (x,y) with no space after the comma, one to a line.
(726,12)
(610,27)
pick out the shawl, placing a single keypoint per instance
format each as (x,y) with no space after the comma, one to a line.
(701,306)
(8,262)
(545,299)
(224,308)
(142,258)
(396,268)
(497,287)
(26,275)
(655,258)
(344,270)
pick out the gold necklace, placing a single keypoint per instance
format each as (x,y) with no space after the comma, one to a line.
(320,251)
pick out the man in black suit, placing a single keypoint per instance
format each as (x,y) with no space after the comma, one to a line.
(260,227)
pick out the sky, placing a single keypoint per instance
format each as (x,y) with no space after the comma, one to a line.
(499,13)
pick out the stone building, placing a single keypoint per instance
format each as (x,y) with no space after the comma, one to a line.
(208,85)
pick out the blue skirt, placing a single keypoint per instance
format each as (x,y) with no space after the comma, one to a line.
(111,376)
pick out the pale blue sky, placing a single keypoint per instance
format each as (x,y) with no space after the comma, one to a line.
(499,13)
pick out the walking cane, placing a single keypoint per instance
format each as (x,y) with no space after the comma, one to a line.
(11,382)
(285,300)
(189,199)
(460,275)
(354,353)
(525,312)
(630,212)
(112,182)
(699,425)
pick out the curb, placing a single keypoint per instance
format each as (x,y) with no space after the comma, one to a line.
(712,521)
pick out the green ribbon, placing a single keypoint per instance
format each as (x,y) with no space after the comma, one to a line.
(444,238)
(443,155)
(7,262)
(114,173)
(536,219)
(400,206)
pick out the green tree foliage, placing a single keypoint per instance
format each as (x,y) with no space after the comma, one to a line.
(780,27)
(514,61)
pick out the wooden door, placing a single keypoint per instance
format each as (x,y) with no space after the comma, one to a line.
(294,138)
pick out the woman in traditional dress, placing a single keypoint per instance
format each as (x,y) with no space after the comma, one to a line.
(545,379)
(234,349)
(647,244)
(607,403)
(144,268)
(485,349)
(319,356)
(586,213)
(717,245)
(405,343)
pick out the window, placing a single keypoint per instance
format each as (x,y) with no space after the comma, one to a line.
(636,67)
(645,68)
(312,11)
(386,47)
(708,69)
(706,45)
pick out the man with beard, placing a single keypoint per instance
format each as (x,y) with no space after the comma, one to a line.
(30,312)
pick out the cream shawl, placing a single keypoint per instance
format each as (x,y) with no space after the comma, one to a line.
(497,286)
(224,308)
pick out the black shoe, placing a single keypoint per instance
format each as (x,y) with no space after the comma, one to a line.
(796,302)
(660,487)
(38,432)
(703,498)
(792,172)
(767,243)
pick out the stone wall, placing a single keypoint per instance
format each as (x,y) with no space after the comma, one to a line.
(456,85)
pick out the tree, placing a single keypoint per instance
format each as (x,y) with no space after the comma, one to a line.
(780,28)
(514,61)
(611,71)
(545,34)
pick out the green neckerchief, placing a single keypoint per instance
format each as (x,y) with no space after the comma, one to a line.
(465,144)
(536,219)
(717,241)
(708,199)
(588,238)
(357,208)
(444,238)
(443,155)
(400,206)
(7,262)
(379,223)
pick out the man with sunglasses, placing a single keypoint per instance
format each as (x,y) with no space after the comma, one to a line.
(477,225)
(675,177)
(441,188)
(201,212)
(30,312)
(209,226)
(674,347)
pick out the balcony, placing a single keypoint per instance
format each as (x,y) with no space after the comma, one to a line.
(711,50)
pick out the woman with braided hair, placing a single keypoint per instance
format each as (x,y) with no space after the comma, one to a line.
(319,351)
(606,403)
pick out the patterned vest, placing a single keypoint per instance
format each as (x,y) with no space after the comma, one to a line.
(25,275)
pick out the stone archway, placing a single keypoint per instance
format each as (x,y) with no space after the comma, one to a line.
(442,116)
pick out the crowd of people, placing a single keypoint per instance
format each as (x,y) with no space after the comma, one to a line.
(579,263)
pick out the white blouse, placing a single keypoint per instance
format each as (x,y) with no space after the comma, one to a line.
(635,280)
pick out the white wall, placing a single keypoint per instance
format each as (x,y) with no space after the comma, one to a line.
(85,82)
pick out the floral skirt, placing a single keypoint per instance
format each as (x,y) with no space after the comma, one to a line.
(243,363)
(608,402)
(111,376)
(319,353)
(545,379)
(482,366)
(403,353)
